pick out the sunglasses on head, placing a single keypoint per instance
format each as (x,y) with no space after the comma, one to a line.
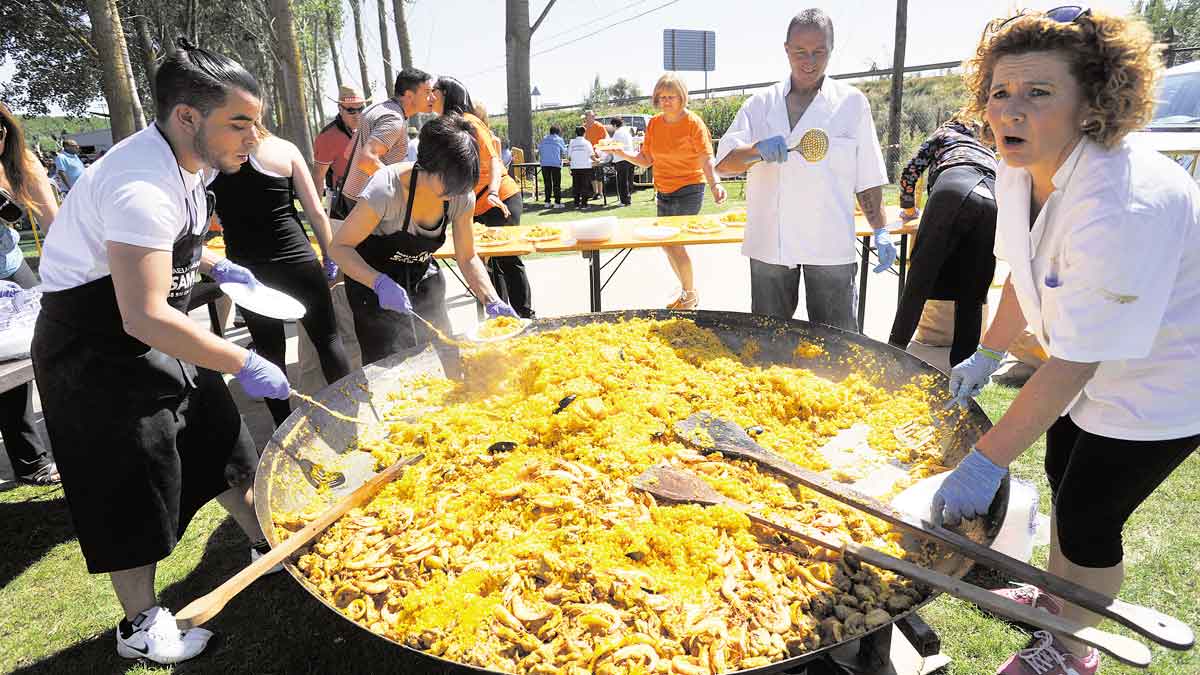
(1064,14)
(352,111)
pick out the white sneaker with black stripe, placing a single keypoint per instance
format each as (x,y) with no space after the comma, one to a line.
(153,635)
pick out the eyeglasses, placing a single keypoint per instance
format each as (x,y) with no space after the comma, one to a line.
(352,111)
(3,133)
(1064,14)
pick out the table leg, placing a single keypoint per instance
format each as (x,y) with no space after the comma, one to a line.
(903,267)
(593,258)
(536,180)
(862,281)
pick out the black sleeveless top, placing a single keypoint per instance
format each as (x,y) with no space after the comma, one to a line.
(258,214)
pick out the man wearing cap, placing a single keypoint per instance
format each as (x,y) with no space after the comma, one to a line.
(329,150)
(800,216)
(594,132)
(68,166)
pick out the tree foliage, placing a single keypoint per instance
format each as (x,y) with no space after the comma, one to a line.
(55,63)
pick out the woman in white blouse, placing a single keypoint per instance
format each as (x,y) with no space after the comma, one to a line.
(1104,243)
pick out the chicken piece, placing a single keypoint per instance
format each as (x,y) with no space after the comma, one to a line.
(899,602)
(877,617)
(865,593)
(830,630)
(843,612)
(856,623)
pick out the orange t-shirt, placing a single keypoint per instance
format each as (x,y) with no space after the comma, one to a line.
(595,132)
(488,150)
(678,151)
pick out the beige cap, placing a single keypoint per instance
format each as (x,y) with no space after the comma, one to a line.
(348,95)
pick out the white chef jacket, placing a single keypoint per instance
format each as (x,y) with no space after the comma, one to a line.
(1110,273)
(801,212)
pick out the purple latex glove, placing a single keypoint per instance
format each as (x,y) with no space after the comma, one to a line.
(263,379)
(9,288)
(227,271)
(391,295)
(331,269)
(499,308)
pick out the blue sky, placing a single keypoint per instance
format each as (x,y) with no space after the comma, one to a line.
(465,38)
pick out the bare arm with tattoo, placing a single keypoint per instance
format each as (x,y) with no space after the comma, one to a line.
(871,201)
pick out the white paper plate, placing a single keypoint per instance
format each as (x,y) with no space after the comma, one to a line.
(655,232)
(473,332)
(264,300)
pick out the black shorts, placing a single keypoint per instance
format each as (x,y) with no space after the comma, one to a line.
(1098,482)
(142,442)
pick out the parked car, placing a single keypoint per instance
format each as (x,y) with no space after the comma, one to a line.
(1175,127)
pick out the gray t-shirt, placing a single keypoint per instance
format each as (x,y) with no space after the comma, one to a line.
(387,195)
(384,123)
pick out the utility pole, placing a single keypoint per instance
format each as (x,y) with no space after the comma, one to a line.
(893,154)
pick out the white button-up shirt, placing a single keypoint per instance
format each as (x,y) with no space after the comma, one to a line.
(1110,273)
(802,212)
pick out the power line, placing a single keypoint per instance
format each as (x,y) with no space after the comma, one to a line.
(594,21)
(572,41)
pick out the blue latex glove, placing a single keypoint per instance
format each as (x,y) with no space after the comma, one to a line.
(499,308)
(391,295)
(9,288)
(330,268)
(969,378)
(968,491)
(884,248)
(227,271)
(773,149)
(262,379)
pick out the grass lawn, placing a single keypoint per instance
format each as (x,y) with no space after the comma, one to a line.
(59,619)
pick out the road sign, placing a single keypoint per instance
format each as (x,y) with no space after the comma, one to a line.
(689,50)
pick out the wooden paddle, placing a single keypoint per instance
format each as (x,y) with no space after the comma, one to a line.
(206,607)
(709,434)
(670,484)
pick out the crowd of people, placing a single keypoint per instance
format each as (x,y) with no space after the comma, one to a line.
(1097,232)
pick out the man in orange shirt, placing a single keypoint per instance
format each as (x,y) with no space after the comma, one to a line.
(594,132)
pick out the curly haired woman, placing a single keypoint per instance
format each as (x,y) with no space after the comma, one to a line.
(1104,245)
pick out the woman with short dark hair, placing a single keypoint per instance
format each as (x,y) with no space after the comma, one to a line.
(497,197)
(1103,238)
(550,157)
(623,135)
(386,245)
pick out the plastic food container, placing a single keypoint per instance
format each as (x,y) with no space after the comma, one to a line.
(593,229)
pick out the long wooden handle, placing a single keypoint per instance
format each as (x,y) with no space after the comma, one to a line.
(1157,626)
(207,606)
(1124,649)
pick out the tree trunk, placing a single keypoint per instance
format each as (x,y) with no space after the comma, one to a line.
(388,82)
(406,60)
(330,35)
(893,155)
(107,36)
(520,114)
(292,81)
(149,60)
(356,9)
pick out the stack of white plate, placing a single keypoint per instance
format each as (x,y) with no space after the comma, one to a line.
(593,229)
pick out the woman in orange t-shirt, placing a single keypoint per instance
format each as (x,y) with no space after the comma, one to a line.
(679,147)
(497,197)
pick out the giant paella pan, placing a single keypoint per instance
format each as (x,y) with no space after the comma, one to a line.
(518,545)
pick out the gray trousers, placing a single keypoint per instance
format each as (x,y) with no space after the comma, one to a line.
(831,294)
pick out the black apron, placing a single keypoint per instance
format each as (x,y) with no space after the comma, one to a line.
(406,258)
(142,439)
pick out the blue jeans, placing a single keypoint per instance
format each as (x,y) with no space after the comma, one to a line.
(830,292)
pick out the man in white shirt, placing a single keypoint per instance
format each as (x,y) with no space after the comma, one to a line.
(800,212)
(144,429)
(582,154)
(623,135)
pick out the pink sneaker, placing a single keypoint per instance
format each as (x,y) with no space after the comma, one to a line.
(1046,657)
(1031,596)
